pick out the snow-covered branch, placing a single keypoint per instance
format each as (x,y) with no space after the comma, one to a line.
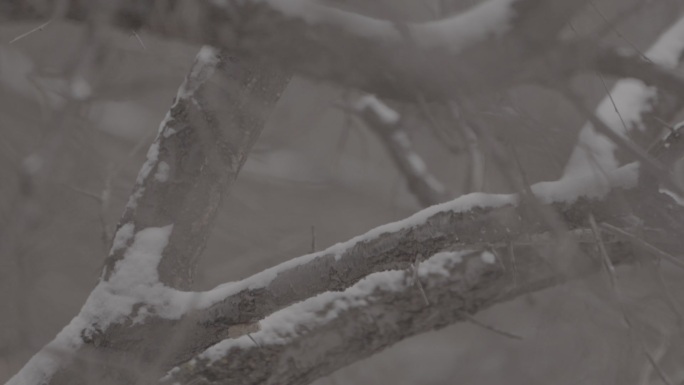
(472,222)
(454,56)
(313,338)
(633,108)
(189,168)
(388,126)
(334,329)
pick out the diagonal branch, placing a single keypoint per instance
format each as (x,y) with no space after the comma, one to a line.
(454,56)
(313,338)
(389,127)
(633,108)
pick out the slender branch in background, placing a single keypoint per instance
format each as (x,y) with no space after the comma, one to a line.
(444,136)
(389,128)
(23,35)
(611,24)
(624,15)
(476,174)
(645,246)
(618,296)
(517,180)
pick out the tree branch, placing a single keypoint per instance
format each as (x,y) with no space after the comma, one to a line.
(454,56)
(190,166)
(388,126)
(312,339)
(632,108)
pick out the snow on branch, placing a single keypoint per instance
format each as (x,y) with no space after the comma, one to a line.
(334,329)
(437,59)
(131,276)
(632,107)
(189,167)
(388,126)
(472,222)
(321,334)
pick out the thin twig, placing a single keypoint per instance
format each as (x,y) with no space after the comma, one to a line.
(610,271)
(38,28)
(643,244)
(612,102)
(617,32)
(490,328)
(142,44)
(416,279)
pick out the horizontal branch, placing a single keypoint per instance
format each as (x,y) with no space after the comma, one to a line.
(439,59)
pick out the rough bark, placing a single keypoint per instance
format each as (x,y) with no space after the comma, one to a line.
(193,163)
(478,228)
(319,343)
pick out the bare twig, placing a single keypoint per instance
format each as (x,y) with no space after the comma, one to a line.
(637,241)
(387,125)
(25,34)
(490,328)
(610,272)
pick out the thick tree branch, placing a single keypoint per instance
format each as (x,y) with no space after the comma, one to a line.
(193,162)
(190,166)
(314,338)
(455,56)
(458,224)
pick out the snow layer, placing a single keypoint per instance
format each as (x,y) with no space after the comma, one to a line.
(202,69)
(455,33)
(595,153)
(134,281)
(122,236)
(383,111)
(281,326)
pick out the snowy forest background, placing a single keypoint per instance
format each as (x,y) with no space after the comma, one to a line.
(319,174)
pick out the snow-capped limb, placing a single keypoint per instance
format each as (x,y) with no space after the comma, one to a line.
(641,102)
(459,55)
(191,164)
(312,339)
(334,329)
(189,168)
(156,202)
(388,126)
(456,55)
(474,221)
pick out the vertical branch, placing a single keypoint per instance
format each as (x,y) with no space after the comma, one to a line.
(194,160)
